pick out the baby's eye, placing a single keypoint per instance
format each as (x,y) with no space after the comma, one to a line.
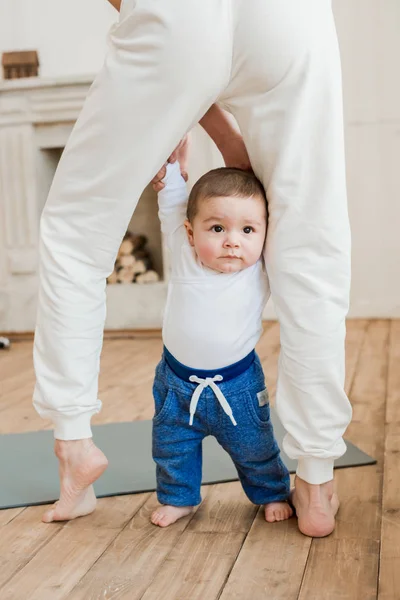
(248,229)
(217,228)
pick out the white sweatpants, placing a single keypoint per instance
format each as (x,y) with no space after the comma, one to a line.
(275,65)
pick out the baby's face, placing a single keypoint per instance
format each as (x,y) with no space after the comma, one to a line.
(228,233)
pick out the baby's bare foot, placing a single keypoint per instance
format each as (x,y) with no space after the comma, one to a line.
(165,515)
(277,511)
(80,464)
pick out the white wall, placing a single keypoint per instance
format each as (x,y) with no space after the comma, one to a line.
(370,46)
(70,35)
(71,38)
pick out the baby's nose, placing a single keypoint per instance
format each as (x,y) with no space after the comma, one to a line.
(232,241)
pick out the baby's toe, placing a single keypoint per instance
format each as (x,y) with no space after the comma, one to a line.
(288,512)
(155,517)
(163,521)
(269,516)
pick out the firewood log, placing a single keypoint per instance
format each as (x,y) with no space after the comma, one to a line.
(126,260)
(113,277)
(125,275)
(147,277)
(139,267)
(141,254)
(139,241)
(125,248)
(132,243)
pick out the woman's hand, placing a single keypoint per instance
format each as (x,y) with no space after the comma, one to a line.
(181,153)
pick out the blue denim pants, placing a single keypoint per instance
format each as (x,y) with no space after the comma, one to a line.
(177,445)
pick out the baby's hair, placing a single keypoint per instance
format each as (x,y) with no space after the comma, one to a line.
(225,181)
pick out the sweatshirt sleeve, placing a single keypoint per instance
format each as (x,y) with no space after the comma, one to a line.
(172,200)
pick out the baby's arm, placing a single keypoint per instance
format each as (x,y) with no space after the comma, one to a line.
(172,200)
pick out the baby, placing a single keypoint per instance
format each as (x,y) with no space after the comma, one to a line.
(210,380)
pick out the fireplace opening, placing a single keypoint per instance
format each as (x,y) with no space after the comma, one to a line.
(143,258)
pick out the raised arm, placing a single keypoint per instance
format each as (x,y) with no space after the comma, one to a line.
(172,200)
(227,137)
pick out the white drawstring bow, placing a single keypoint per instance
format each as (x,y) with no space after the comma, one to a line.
(202,384)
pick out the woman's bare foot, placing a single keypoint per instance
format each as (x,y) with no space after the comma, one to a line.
(277,511)
(165,515)
(80,464)
(316,507)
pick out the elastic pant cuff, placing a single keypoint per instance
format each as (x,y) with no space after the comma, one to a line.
(173,501)
(73,428)
(315,470)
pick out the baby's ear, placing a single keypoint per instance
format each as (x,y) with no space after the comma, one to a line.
(189,231)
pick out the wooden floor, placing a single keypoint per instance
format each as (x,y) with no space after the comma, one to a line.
(225,550)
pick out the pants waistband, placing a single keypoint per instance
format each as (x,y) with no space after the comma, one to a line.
(227,373)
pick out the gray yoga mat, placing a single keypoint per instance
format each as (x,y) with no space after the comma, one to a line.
(29,474)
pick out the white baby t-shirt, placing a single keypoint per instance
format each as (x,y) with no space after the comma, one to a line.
(211,319)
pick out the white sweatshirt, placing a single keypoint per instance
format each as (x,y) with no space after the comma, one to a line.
(211,319)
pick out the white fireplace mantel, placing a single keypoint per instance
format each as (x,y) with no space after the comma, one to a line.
(37,101)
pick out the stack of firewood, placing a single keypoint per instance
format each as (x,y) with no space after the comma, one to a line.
(133,263)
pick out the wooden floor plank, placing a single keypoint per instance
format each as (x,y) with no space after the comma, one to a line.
(356,331)
(70,552)
(20,541)
(8,514)
(200,562)
(268,350)
(393,399)
(197,567)
(22,417)
(10,386)
(389,576)
(225,509)
(8,365)
(131,562)
(270,564)
(345,565)
(127,395)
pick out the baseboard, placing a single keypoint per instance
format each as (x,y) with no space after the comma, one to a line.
(110,334)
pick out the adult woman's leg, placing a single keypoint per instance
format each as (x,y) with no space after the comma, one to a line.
(286,95)
(160,76)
